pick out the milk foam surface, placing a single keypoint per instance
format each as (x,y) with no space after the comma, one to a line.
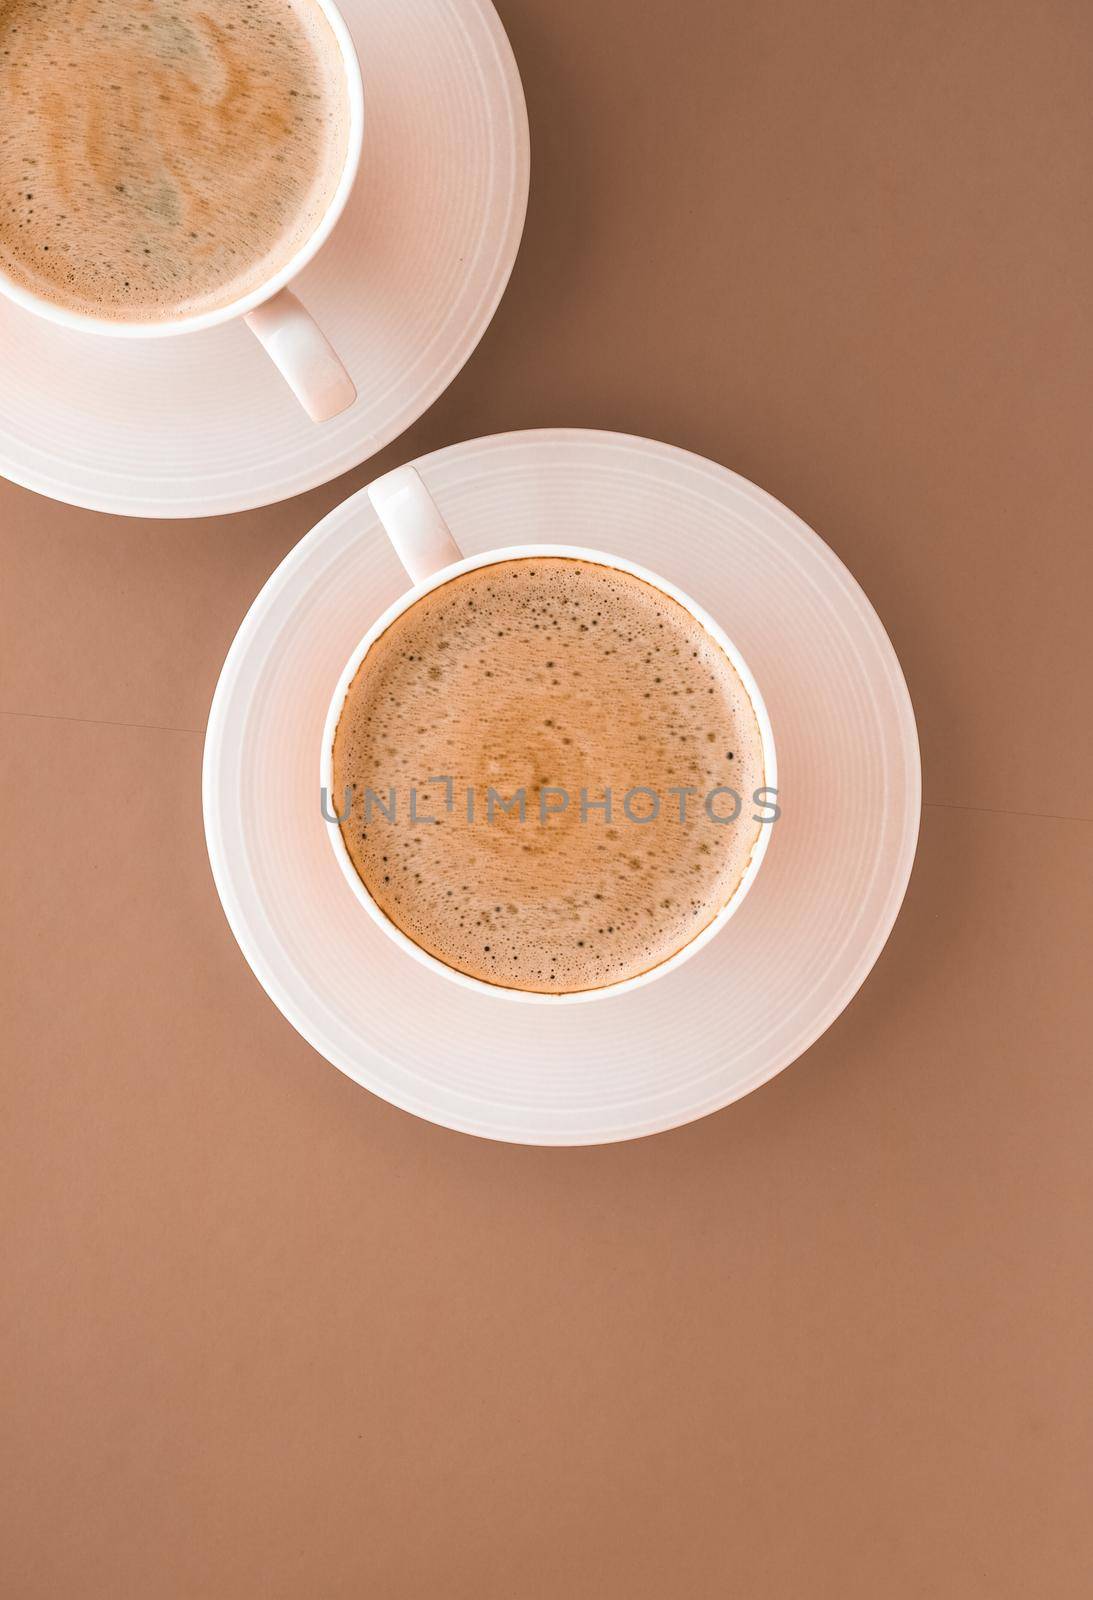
(163,157)
(535,675)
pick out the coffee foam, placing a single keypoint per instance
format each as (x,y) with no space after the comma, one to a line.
(161,158)
(548,673)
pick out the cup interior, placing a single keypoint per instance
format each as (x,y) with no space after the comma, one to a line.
(404,604)
(81,322)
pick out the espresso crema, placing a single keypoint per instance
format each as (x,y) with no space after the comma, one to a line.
(542,678)
(161,158)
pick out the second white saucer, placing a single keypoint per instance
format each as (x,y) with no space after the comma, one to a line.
(405,287)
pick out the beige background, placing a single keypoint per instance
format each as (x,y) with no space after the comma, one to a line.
(264,1336)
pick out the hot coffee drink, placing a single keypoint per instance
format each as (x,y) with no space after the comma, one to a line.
(161,158)
(550,767)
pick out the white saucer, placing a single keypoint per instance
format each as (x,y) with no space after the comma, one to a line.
(406,286)
(773,979)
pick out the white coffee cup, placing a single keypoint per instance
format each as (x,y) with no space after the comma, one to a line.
(292,338)
(424,545)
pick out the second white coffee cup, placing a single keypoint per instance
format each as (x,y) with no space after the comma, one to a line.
(426,548)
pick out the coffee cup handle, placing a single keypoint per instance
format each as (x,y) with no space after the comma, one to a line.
(300,351)
(411,520)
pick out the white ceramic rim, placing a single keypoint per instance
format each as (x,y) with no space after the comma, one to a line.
(437,580)
(79,322)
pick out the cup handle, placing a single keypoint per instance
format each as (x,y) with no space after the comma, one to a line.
(408,512)
(299,350)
